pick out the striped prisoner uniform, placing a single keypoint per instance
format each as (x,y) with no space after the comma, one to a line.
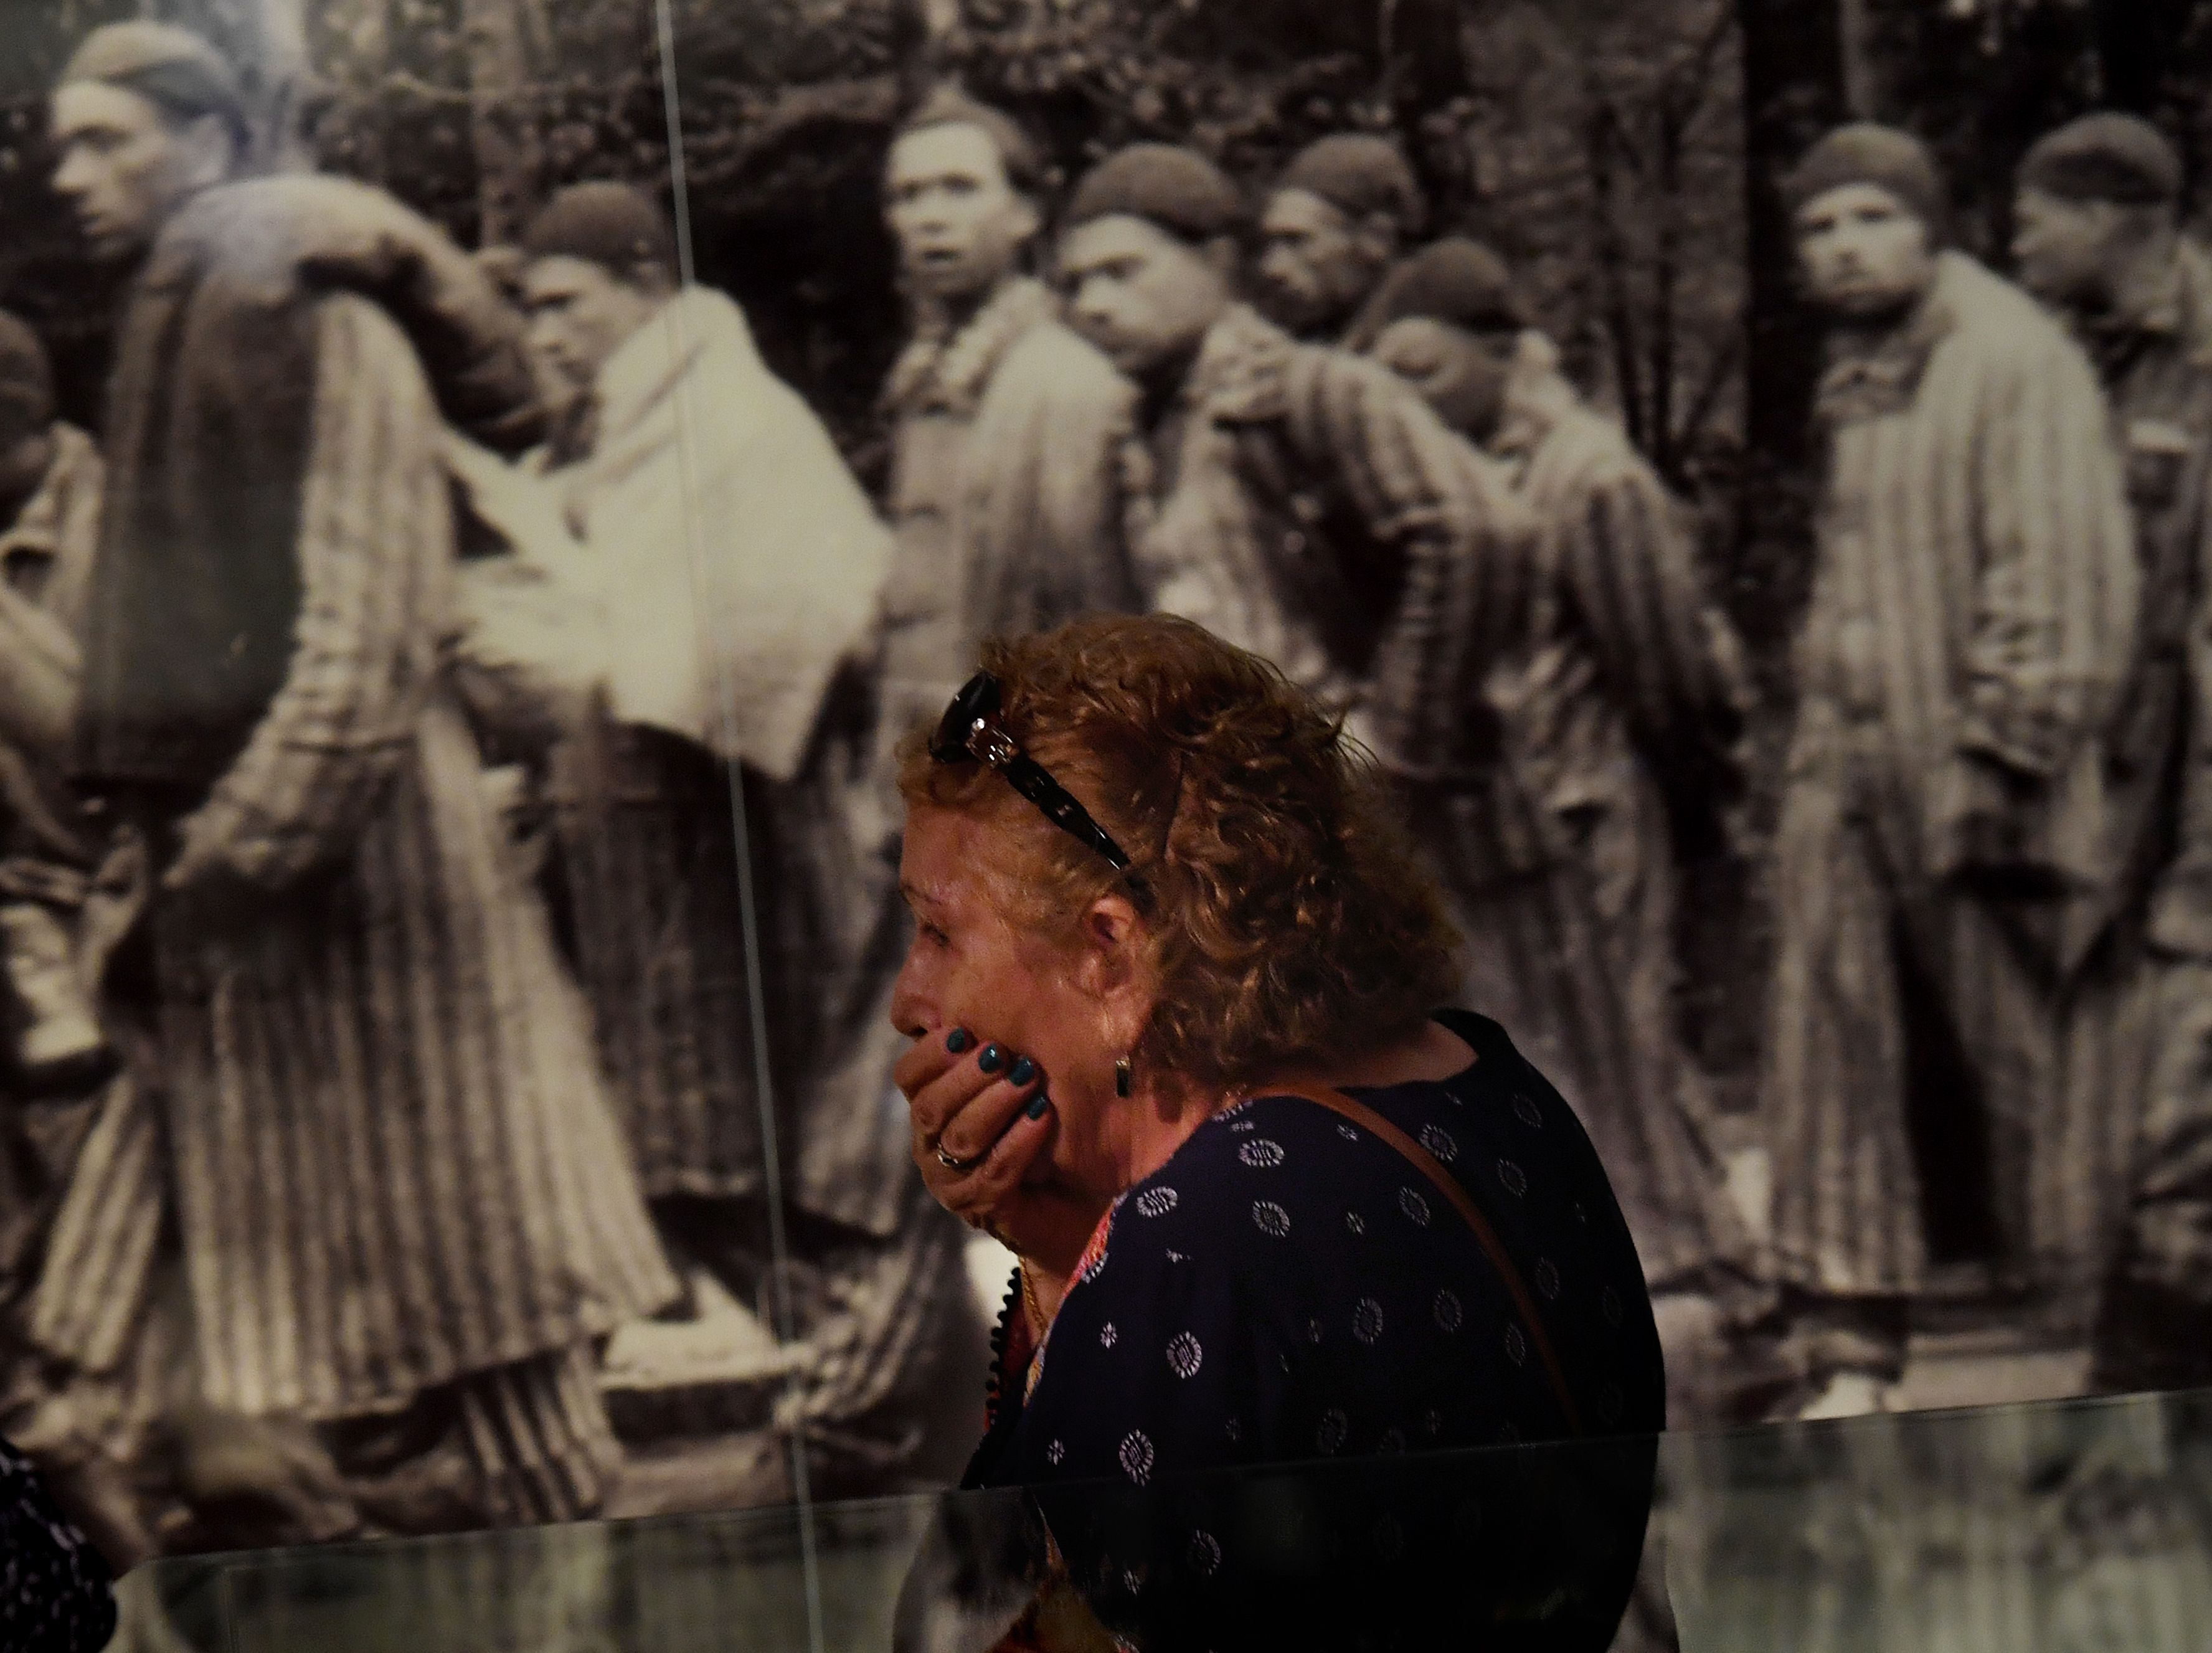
(742,1039)
(373,1123)
(46,851)
(1945,857)
(1313,509)
(2155,1325)
(1624,695)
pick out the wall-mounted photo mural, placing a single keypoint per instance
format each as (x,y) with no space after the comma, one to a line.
(487,487)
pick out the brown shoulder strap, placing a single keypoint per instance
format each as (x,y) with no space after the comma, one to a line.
(1486,1237)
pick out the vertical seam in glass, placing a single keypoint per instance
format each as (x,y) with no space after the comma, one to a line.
(757,1003)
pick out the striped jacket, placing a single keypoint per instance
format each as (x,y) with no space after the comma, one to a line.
(2158,369)
(1312,508)
(376,1126)
(1007,471)
(1975,599)
(1624,673)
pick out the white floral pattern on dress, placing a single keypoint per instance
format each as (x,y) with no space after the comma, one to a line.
(1204,1554)
(1056,1453)
(1367,1321)
(1450,1312)
(1335,1429)
(1355,1222)
(1515,1179)
(1107,1337)
(1517,1345)
(1415,1207)
(1438,1142)
(1547,1279)
(1185,1355)
(1261,1153)
(1136,1457)
(1156,1202)
(1270,1219)
(1531,1114)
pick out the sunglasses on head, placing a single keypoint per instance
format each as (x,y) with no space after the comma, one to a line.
(970,733)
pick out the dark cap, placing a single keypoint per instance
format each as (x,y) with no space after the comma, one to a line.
(615,226)
(1456,280)
(1359,174)
(949,105)
(168,66)
(2104,157)
(1881,155)
(1178,188)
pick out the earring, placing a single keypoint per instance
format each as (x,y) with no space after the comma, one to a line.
(1122,1076)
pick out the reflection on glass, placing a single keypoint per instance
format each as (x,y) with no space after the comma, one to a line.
(2066,1528)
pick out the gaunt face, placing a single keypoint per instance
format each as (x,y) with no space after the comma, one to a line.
(1461,373)
(580,313)
(1143,297)
(959,222)
(2064,250)
(1317,264)
(125,164)
(1863,252)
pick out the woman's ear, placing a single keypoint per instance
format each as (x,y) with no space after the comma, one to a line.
(1111,966)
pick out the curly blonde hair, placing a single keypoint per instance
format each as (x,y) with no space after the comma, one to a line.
(1288,923)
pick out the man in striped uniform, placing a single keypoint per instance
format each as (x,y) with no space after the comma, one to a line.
(1341,214)
(368,1123)
(1623,696)
(739,568)
(1007,430)
(1937,1071)
(1299,501)
(2097,235)
(1307,505)
(50,480)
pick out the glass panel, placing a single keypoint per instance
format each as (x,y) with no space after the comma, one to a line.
(2063,1527)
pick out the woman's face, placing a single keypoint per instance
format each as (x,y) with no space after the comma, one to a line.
(1051,998)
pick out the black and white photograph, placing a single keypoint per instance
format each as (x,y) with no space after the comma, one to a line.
(711,710)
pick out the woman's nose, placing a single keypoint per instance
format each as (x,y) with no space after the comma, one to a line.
(912,1012)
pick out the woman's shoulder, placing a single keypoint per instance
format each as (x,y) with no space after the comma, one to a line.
(1282,1168)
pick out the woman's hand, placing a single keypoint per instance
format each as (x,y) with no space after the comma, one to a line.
(982,1121)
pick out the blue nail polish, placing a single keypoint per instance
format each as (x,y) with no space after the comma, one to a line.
(992,1060)
(1038,1105)
(958,1040)
(1021,1072)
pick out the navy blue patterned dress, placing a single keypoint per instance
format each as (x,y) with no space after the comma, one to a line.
(54,1594)
(1289,1289)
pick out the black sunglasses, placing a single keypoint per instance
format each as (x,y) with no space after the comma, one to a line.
(970,733)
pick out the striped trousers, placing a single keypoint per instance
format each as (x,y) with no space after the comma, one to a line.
(527,1444)
(1539,963)
(519,1444)
(1935,1089)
